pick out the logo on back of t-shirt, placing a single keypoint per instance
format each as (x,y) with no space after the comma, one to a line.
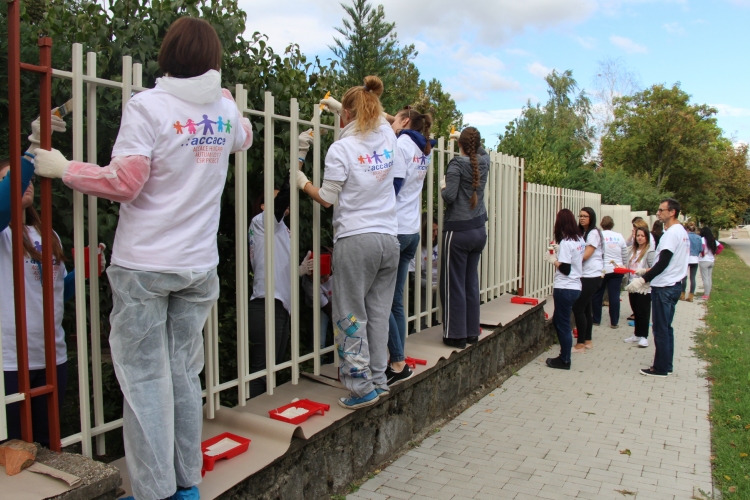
(208,145)
(378,164)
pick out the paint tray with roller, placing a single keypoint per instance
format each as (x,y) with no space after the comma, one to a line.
(225,445)
(297,412)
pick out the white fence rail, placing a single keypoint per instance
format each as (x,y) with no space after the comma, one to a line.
(500,266)
(542,204)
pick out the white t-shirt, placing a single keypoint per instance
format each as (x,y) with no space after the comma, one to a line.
(282,252)
(635,265)
(593,267)
(34,305)
(614,243)
(408,209)
(570,252)
(172,224)
(706,255)
(675,239)
(366,164)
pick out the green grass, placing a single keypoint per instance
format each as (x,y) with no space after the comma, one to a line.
(725,344)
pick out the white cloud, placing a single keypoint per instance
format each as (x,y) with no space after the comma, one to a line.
(726,110)
(586,42)
(627,45)
(497,117)
(518,52)
(674,28)
(477,73)
(538,69)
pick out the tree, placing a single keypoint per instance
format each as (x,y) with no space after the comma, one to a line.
(659,134)
(726,196)
(613,79)
(554,139)
(370,46)
(617,188)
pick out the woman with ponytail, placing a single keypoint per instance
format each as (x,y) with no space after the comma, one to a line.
(360,169)
(413,131)
(464,237)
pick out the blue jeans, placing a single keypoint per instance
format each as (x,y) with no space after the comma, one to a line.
(612,283)
(663,303)
(397,322)
(564,300)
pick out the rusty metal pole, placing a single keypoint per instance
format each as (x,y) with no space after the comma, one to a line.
(48,283)
(14,143)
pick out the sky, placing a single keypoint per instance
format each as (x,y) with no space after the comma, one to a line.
(493,55)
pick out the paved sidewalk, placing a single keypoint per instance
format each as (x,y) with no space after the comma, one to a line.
(600,430)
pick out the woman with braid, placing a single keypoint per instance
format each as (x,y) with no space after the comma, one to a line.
(464,237)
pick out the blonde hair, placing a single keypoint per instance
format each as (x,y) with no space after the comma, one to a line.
(364,104)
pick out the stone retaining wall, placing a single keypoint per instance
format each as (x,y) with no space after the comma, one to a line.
(331,460)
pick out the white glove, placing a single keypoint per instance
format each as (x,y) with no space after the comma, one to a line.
(306,268)
(302,180)
(58,125)
(638,285)
(102,257)
(305,141)
(50,163)
(332,105)
(550,257)
(640,271)
(442,183)
(555,247)
(455,134)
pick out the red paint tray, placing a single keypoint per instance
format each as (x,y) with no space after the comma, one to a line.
(208,461)
(623,270)
(311,406)
(413,362)
(529,301)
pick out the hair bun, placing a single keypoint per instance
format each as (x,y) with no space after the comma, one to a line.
(374,85)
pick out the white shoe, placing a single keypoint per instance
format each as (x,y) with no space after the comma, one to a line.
(632,338)
(643,342)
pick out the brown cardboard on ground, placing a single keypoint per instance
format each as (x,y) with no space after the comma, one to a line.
(501,311)
(270,440)
(305,389)
(72,480)
(30,486)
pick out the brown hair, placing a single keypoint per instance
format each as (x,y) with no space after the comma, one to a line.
(469,141)
(419,122)
(364,104)
(607,223)
(643,229)
(33,219)
(190,48)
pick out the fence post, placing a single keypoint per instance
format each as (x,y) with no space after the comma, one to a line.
(294,236)
(269,223)
(522,287)
(240,248)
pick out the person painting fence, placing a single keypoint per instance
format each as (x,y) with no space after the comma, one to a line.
(163,274)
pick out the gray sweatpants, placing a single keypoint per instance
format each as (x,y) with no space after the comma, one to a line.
(365,267)
(157,350)
(707,271)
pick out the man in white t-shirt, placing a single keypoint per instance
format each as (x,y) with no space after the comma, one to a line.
(665,277)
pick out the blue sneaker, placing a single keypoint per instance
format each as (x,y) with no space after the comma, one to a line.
(353,402)
(631,322)
(191,493)
(382,392)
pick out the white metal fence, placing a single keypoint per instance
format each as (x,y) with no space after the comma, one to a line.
(500,267)
(542,204)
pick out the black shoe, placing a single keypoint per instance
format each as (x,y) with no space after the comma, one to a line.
(558,363)
(393,377)
(460,343)
(472,340)
(653,373)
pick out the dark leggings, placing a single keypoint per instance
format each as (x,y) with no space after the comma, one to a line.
(641,304)
(256,315)
(582,309)
(39,420)
(693,271)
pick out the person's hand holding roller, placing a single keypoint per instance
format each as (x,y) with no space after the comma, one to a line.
(306,268)
(332,105)
(305,141)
